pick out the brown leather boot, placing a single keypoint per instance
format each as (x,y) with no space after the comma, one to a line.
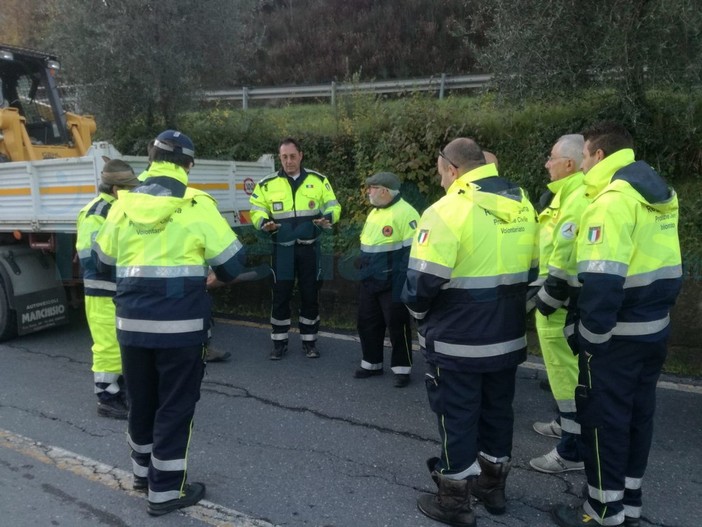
(451,505)
(490,485)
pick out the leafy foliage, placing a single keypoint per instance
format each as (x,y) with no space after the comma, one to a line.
(554,47)
(310,41)
(366,134)
(23,23)
(144,60)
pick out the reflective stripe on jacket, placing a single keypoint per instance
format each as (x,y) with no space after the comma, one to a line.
(475,252)
(274,199)
(559,224)
(90,218)
(162,237)
(628,254)
(385,245)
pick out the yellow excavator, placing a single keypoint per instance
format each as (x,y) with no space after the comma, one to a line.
(33,123)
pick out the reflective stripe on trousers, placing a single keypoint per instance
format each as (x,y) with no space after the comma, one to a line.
(164,387)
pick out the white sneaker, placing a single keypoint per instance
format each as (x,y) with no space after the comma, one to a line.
(553,463)
(552,429)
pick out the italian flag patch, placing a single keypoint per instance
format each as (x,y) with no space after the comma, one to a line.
(594,234)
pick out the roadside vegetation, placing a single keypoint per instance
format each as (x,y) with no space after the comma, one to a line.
(365,134)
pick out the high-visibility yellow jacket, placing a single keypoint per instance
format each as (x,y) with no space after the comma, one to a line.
(559,223)
(474,254)
(294,204)
(385,246)
(628,254)
(162,236)
(96,282)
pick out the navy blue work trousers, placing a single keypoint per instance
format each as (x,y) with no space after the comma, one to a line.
(616,401)
(163,386)
(474,412)
(301,262)
(376,313)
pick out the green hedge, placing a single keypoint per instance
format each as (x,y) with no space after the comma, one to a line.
(365,134)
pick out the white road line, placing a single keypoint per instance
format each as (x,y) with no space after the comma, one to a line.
(667,385)
(117,479)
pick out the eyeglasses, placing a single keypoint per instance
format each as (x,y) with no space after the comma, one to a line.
(553,158)
(441,154)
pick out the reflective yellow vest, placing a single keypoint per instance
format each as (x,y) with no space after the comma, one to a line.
(162,236)
(274,199)
(559,224)
(628,254)
(385,245)
(475,251)
(90,218)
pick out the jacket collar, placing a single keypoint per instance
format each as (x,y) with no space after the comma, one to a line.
(599,176)
(389,203)
(171,170)
(481,172)
(555,186)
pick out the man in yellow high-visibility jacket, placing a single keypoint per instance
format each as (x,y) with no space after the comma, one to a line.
(162,238)
(385,246)
(559,219)
(475,252)
(629,264)
(100,289)
(294,205)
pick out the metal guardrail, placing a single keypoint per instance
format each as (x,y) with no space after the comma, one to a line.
(441,84)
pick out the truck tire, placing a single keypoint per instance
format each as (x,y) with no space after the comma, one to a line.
(8,318)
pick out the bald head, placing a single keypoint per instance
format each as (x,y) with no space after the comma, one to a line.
(490,158)
(458,157)
(464,154)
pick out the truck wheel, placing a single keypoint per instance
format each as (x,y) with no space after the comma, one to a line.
(8,318)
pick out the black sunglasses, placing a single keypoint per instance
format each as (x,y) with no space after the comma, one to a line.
(441,154)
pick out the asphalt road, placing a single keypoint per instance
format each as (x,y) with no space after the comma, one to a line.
(295,442)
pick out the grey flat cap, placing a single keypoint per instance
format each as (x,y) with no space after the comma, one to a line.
(385,179)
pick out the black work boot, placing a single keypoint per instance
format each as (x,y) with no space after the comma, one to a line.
(310,349)
(113,407)
(490,485)
(451,505)
(140,483)
(216,355)
(280,348)
(192,493)
(362,373)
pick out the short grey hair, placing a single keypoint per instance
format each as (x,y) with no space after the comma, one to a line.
(571,146)
(393,193)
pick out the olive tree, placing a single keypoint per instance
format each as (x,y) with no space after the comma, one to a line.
(145,60)
(558,46)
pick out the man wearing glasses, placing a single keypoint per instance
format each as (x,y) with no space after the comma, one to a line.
(475,252)
(559,220)
(385,245)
